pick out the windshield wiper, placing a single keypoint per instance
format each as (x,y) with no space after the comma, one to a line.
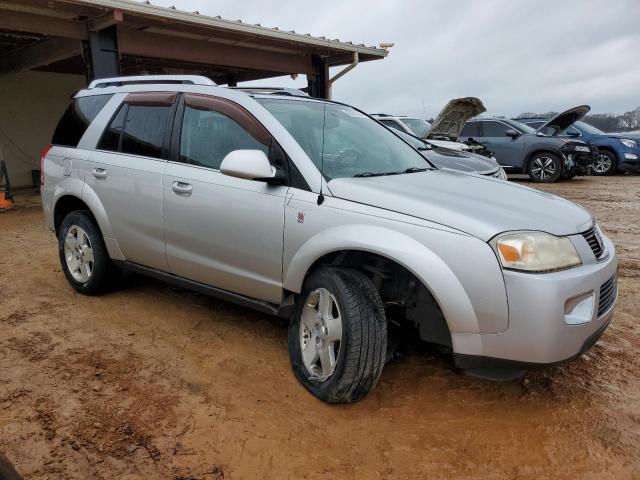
(384,174)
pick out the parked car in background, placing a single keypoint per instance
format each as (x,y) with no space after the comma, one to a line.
(313,211)
(445,128)
(414,126)
(522,149)
(455,159)
(616,151)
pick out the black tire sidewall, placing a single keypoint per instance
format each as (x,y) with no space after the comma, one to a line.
(333,389)
(101,260)
(559,167)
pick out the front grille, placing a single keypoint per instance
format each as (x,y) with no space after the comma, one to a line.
(608,292)
(595,242)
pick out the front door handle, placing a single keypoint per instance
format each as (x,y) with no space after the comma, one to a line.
(182,188)
(99,173)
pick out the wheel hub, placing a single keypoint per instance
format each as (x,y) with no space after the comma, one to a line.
(543,167)
(603,163)
(78,254)
(320,333)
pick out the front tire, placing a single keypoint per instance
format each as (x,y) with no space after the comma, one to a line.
(545,167)
(338,335)
(83,254)
(606,164)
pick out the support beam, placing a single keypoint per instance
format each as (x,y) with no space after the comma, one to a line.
(318,80)
(153,45)
(42,24)
(107,20)
(104,58)
(43,53)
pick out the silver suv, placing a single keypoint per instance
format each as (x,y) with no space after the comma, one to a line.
(313,211)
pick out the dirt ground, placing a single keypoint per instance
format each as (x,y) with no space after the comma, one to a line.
(152,382)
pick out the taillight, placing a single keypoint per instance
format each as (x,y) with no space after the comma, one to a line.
(44,154)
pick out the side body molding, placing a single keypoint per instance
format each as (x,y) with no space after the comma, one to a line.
(413,255)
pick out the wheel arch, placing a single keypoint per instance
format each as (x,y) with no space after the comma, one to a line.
(433,273)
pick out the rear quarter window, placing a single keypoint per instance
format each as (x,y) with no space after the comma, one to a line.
(77,118)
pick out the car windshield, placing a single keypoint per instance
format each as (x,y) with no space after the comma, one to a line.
(351,143)
(417,126)
(589,128)
(521,126)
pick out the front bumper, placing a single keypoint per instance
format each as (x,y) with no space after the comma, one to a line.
(537,334)
(629,160)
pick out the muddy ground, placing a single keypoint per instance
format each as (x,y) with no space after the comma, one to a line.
(152,382)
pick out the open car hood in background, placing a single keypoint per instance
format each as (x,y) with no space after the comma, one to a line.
(564,120)
(451,120)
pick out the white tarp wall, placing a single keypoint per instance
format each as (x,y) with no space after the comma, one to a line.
(31,103)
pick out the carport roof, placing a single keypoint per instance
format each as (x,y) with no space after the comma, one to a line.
(41,34)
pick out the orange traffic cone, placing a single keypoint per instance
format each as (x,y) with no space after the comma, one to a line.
(5,202)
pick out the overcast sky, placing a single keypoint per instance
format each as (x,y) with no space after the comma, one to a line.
(516,56)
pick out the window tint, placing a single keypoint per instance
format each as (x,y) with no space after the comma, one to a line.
(494,129)
(77,119)
(470,130)
(144,130)
(207,137)
(111,137)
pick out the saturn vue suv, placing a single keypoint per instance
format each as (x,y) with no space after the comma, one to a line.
(313,211)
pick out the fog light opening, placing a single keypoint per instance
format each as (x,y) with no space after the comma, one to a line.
(631,156)
(579,310)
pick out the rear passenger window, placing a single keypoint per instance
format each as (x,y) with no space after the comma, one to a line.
(111,136)
(144,129)
(208,136)
(77,118)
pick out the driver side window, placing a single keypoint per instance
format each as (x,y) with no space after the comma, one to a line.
(207,136)
(494,129)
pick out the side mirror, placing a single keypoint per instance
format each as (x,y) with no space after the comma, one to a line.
(512,133)
(572,133)
(251,165)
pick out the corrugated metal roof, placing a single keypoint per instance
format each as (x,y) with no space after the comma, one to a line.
(147,9)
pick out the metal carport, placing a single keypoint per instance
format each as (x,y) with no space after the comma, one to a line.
(50,48)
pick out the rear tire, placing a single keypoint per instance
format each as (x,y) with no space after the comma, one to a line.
(83,254)
(544,167)
(359,345)
(606,164)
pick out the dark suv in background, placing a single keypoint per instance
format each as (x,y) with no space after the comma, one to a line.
(615,150)
(522,149)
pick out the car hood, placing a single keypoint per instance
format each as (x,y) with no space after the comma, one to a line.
(630,135)
(479,206)
(567,118)
(451,120)
(458,160)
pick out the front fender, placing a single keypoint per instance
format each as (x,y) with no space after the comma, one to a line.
(425,264)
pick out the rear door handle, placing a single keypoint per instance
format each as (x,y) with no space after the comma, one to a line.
(182,188)
(99,173)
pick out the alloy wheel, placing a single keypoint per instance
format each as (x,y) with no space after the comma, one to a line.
(603,163)
(78,254)
(320,333)
(543,168)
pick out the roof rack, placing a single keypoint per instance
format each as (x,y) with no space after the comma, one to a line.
(151,79)
(293,92)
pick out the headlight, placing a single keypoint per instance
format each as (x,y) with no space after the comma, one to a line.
(629,143)
(582,148)
(535,252)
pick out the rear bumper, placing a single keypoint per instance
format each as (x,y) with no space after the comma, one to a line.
(538,333)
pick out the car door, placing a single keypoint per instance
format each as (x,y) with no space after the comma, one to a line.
(125,172)
(507,150)
(219,230)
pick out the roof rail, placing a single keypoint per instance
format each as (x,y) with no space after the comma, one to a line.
(293,92)
(151,79)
